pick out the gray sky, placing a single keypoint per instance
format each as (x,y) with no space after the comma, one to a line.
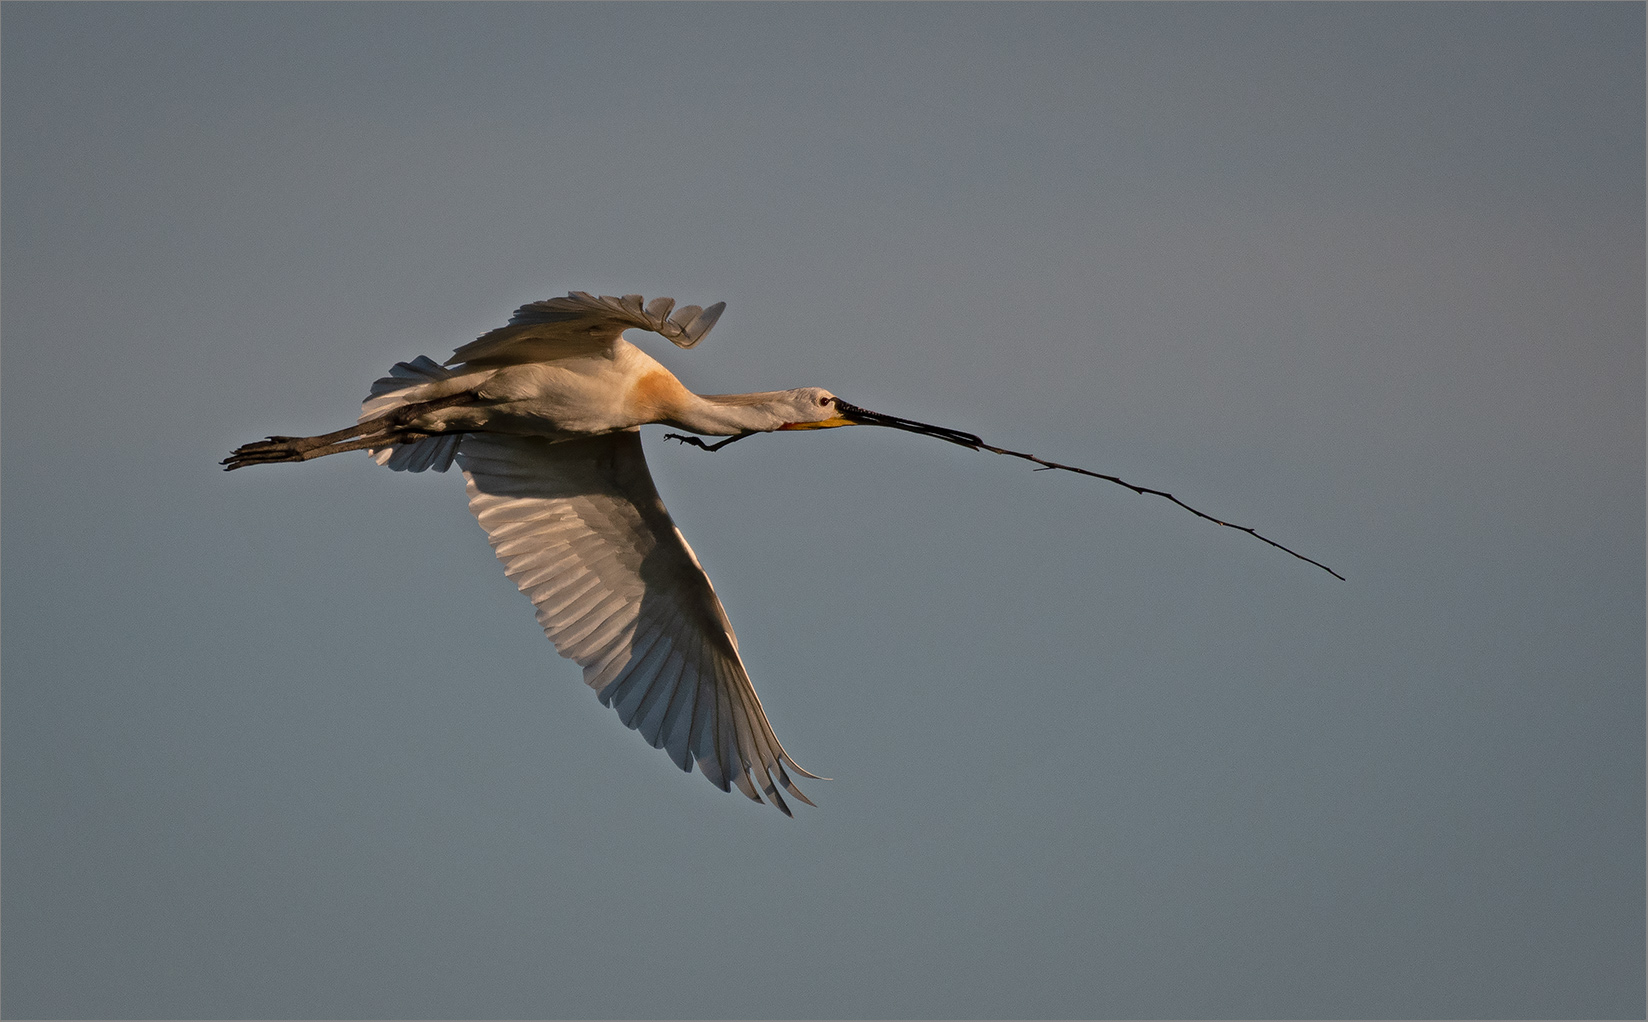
(1369,278)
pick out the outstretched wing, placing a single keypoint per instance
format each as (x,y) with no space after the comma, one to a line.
(580,323)
(581,530)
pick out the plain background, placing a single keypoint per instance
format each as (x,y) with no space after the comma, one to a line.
(1370,278)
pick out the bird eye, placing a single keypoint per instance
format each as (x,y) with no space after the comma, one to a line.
(823,400)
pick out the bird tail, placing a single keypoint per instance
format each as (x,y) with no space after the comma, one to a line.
(397,389)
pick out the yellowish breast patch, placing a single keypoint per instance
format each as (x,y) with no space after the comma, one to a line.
(657,395)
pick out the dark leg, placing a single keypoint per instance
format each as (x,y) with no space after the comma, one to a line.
(271,453)
(387,429)
(701,445)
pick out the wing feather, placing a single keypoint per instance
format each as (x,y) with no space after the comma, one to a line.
(585,635)
(675,736)
(600,673)
(652,714)
(751,765)
(581,530)
(582,323)
(663,658)
(704,741)
(632,673)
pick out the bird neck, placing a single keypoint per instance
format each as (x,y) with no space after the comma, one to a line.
(655,395)
(731,414)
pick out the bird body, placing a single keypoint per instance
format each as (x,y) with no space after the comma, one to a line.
(542,417)
(587,393)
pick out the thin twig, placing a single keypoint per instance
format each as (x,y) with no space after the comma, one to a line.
(1047,465)
(962,439)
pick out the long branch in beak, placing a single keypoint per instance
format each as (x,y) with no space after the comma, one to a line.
(851,414)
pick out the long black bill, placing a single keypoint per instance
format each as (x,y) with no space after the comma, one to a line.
(868,418)
(955,436)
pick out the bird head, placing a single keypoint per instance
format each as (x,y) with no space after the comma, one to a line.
(811,408)
(816,408)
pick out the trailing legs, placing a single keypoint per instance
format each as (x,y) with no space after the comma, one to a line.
(392,427)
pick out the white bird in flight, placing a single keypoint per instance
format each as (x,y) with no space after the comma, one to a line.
(543,418)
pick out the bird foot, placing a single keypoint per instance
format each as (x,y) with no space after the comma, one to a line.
(278,449)
(264,453)
(693,441)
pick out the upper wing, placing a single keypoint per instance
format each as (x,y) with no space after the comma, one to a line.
(581,322)
(581,530)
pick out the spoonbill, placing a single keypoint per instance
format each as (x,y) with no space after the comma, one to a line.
(543,417)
